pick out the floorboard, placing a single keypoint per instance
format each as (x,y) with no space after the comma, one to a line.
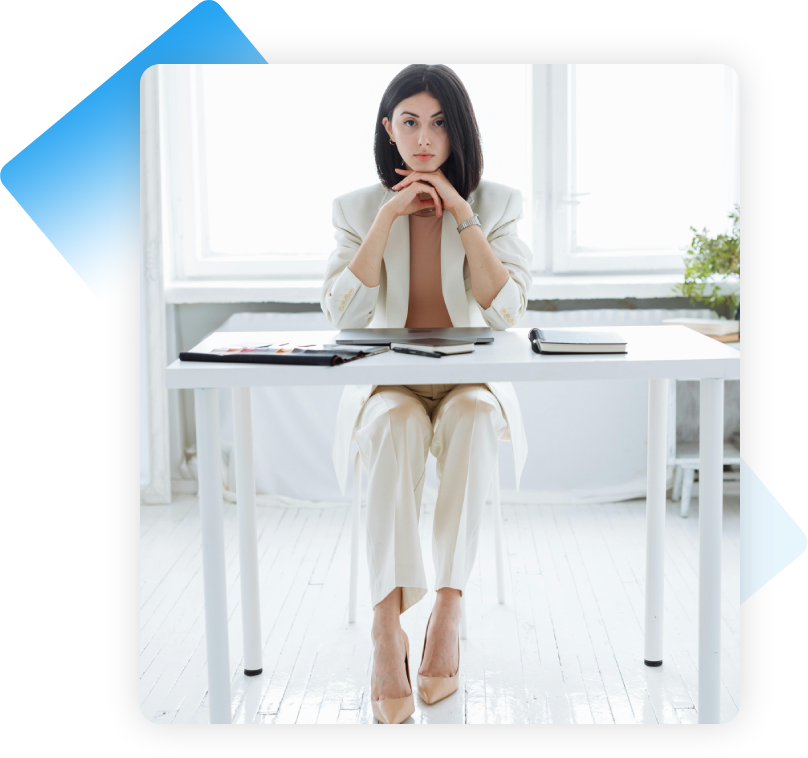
(565,647)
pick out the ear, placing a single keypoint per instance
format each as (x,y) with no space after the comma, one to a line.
(387,128)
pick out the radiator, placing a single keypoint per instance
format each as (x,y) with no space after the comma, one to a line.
(608,317)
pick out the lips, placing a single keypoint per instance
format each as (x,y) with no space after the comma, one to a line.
(424,156)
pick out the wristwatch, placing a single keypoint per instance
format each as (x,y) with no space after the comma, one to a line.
(473,220)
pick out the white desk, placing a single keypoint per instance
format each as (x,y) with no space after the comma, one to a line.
(656,353)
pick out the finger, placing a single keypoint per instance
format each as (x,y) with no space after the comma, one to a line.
(418,189)
(434,190)
(404,182)
(438,205)
(426,178)
(424,188)
(439,201)
(404,171)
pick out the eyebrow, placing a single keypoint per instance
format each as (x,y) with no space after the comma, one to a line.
(410,113)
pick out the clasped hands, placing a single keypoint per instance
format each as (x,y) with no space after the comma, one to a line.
(441,195)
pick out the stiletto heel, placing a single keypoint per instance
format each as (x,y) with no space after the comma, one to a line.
(397,709)
(434,688)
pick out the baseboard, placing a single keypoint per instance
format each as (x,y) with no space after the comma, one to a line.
(633,491)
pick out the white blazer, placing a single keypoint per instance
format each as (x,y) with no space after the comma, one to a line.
(349,304)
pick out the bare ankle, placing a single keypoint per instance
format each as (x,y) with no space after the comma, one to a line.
(448,599)
(387,614)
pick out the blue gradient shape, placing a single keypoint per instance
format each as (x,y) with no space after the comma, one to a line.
(80,180)
(770,539)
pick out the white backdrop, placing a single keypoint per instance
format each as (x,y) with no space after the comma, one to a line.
(586,440)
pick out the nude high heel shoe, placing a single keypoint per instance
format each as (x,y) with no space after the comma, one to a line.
(397,709)
(434,688)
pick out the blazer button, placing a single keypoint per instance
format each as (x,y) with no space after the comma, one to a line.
(350,291)
(503,311)
(362,401)
(342,307)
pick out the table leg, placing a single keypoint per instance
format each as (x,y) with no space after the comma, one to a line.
(711,490)
(247,530)
(209,463)
(499,548)
(655,519)
(356,504)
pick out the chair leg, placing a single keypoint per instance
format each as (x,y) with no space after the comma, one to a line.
(687,488)
(498,543)
(463,625)
(678,475)
(355,508)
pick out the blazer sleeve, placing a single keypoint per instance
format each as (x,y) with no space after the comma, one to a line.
(346,302)
(510,304)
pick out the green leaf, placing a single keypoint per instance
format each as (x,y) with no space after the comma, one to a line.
(708,257)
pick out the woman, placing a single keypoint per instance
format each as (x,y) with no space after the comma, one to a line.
(406,258)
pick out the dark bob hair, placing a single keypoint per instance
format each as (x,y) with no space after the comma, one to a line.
(464,166)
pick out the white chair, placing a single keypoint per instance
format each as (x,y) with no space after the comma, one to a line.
(498,544)
(686,463)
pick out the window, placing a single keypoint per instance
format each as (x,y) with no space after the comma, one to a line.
(637,155)
(614,162)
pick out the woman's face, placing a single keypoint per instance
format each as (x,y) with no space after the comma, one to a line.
(419,131)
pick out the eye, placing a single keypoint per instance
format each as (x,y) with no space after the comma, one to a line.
(440,122)
(408,121)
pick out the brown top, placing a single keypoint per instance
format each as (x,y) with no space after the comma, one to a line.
(427,307)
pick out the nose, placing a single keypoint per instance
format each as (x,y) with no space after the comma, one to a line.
(423,137)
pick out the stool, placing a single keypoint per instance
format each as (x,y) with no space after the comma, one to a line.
(686,463)
(498,544)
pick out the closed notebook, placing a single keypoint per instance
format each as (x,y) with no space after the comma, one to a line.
(576,341)
(444,346)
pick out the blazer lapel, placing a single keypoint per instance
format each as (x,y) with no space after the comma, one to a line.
(397,265)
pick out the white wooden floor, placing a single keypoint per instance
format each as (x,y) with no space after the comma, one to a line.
(566,647)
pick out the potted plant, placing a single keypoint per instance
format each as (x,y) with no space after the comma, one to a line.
(709,258)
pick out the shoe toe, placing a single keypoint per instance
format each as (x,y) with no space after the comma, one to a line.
(431,689)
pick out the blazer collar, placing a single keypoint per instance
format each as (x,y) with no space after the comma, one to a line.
(397,263)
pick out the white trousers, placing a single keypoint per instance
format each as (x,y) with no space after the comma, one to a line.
(398,426)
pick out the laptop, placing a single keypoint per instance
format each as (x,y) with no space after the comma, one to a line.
(468,334)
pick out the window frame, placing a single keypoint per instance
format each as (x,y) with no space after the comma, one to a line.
(184,175)
(549,206)
(554,169)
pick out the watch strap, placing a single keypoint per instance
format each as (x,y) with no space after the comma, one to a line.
(470,222)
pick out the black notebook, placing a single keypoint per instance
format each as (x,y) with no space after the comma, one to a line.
(576,341)
(226,350)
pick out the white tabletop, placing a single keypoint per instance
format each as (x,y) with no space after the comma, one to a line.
(654,352)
